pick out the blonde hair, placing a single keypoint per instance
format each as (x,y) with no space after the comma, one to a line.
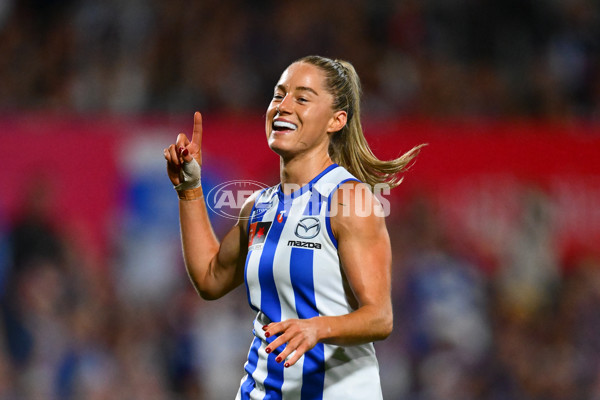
(348,147)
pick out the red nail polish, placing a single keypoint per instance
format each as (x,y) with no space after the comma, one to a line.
(287,365)
(267,350)
(185,152)
(267,334)
(278,359)
(264,327)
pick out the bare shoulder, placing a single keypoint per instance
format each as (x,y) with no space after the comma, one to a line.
(355,208)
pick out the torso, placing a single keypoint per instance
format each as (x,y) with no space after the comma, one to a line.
(293,271)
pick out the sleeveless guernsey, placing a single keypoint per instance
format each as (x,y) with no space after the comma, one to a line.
(293,271)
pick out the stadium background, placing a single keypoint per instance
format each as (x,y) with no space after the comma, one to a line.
(495,228)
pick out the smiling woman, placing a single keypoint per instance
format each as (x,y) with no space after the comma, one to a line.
(299,114)
(313,251)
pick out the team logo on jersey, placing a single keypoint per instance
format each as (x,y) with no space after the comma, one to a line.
(258,233)
(308,228)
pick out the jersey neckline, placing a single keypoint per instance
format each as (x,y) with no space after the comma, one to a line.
(306,187)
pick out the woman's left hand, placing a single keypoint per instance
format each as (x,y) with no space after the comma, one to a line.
(299,335)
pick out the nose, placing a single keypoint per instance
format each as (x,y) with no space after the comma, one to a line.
(284,107)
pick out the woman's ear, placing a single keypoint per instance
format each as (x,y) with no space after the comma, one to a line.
(338,121)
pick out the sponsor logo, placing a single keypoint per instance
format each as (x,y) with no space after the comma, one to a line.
(308,228)
(308,245)
(258,232)
(280,216)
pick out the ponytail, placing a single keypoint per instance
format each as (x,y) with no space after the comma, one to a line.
(348,147)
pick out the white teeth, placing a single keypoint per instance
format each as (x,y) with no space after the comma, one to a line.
(284,125)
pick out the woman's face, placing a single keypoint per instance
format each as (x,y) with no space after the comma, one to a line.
(300,115)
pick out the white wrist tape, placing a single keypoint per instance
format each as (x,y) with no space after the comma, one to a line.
(189,176)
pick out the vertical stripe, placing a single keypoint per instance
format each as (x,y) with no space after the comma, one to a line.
(269,302)
(313,370)
(313,373)
(246,281)
(254,217)
(250,367)
(301,275)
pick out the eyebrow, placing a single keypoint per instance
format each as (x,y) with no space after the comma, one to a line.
(301,88)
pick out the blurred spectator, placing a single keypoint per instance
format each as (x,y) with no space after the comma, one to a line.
(434,58)
(35,252)
(529,272)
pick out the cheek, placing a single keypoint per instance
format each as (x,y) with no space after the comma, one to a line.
(269,116)
(321,119)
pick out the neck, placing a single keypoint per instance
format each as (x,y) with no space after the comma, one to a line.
(298,171)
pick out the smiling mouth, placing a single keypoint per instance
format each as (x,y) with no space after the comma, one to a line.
(283,126)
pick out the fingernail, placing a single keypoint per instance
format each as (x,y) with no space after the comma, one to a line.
(185,152)
(278,359)
(267,334)
(180,150)
(264,327)
(286,365)
(267,350)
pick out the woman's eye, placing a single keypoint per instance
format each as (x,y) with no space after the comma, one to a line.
(302,99)
(277,96)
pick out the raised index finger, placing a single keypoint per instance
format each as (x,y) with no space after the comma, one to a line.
(197,133)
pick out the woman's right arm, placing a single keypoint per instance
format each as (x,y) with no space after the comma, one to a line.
(214,268)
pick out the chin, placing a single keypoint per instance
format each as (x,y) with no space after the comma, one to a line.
(279,147)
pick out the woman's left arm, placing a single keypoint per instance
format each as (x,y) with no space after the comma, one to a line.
(364,248)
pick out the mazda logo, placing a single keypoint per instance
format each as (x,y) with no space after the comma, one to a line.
(308,228)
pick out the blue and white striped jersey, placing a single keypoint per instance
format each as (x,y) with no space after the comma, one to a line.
(293,271)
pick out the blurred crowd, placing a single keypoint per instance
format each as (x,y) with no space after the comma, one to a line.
(425,58)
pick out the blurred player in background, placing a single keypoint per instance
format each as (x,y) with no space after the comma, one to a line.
(313,251)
